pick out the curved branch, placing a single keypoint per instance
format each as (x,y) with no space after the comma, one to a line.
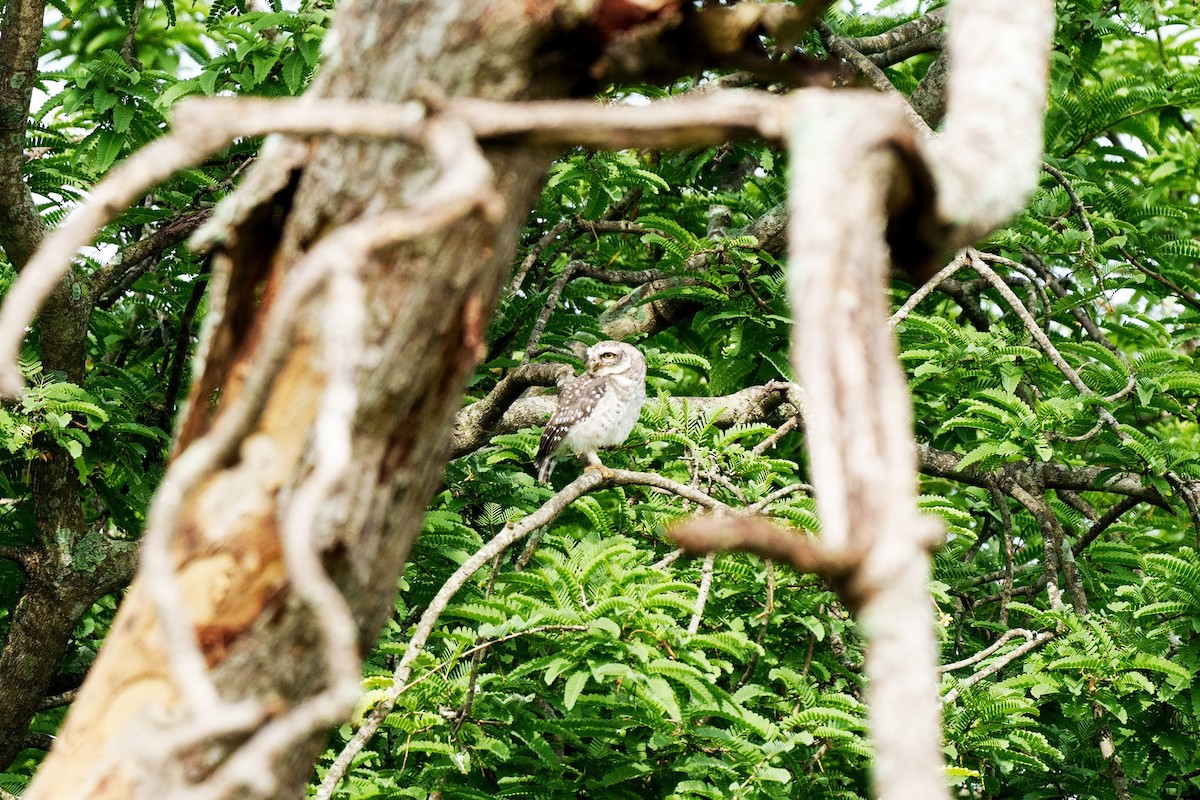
(115,277)
(998,664)
(929,43)
(512,533)
(899,35)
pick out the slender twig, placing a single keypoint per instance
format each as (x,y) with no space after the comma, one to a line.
(1031,325)
(768,610)
(113,279)
(1086,322)
(875,76)
(591,480)
(1006,589)
(987,651)
(997,665)
(484,645)
(129,46)
(1182,293)
(535,251)
(1083,437)
(706,576)
(1076,203)
(180,351)
(556,290)
(606,224)
(779,494)
(789,425)
(926,289)
(667,560)
(476,654)
(58,700)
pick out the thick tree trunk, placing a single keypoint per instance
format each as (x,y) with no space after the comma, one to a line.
(426,303)
(66,569)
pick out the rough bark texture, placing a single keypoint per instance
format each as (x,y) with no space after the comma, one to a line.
(423,313)
(67,569)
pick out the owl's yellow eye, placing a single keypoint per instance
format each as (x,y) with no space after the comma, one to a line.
(608,356)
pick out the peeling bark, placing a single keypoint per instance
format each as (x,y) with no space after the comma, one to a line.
(423,306)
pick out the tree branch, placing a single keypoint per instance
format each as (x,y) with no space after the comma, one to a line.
(899,35)
(987,651)
(997,665)
(21,228)
(754,404)
(113,279)
(706,578)
(589,481)
(204,125)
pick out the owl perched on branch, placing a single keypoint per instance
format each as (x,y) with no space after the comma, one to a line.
(597,409)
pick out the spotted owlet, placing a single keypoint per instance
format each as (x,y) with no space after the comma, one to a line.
(597,409)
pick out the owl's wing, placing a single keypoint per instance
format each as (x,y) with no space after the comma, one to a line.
(576,401)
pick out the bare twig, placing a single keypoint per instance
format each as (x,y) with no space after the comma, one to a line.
(110,281)
(1035,330)
(706,577)
(58,700)
(874,75)
(1183,294)
(591,480)
(997,665)
(1076,203)
(484,645)
(987,651)
(179,353)
(556,289)
(535,251)
(768,609)
(1006,589)
(927,289)
(1051,538)
(789,425)
(779,494)
(667,560)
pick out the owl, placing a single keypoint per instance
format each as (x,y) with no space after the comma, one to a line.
(597,409)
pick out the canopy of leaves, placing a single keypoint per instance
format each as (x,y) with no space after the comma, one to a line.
(1062,427)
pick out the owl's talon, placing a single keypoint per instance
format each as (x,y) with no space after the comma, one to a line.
(604,471)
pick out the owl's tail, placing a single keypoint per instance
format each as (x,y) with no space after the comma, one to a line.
(545,466)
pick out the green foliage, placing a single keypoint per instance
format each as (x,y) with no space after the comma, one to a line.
(568,669)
